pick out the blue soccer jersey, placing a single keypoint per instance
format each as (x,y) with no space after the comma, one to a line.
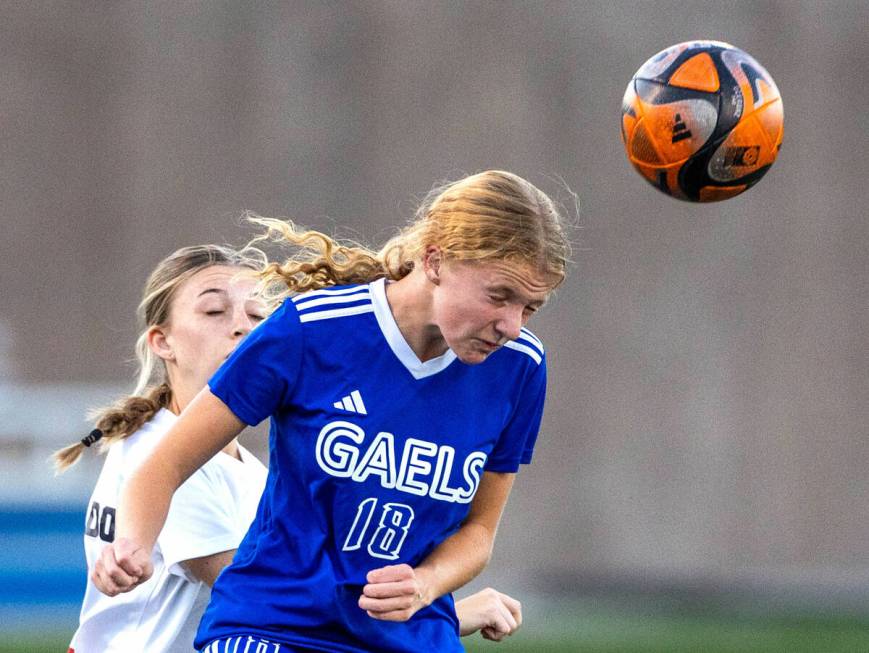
(375,457)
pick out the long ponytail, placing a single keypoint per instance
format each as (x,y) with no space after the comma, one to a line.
(116,422)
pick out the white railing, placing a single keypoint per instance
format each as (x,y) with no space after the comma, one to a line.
(35,420)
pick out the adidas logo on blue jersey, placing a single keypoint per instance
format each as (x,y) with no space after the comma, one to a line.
(352,403)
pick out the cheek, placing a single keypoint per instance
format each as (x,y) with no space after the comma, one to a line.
(191,345)
(461,312)
(470,318)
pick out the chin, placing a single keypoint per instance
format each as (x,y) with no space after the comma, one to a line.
(472,357)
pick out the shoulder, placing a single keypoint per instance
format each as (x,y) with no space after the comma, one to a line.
(221,486)
(124,456)
(229,469)
(528,346)
(223,466)
(333,302)
(142,442)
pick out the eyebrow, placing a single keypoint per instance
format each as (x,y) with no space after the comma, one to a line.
(214,290)
(511,293)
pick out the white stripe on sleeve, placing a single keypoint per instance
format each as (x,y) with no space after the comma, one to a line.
(525,350)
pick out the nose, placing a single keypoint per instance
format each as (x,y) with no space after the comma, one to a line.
(242,324)
(510,323)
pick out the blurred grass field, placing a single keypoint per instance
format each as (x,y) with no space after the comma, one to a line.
(688,634)
(581,629)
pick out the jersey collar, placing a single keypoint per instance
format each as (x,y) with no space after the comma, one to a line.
(396,341)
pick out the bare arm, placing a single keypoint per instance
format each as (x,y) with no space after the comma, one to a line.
(208,568)
(396,592)
(462,556)
(205,427)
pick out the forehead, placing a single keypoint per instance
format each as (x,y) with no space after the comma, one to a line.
(224,278)
(522,279)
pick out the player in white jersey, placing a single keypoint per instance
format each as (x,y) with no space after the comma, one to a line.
(197,306)
(210,515)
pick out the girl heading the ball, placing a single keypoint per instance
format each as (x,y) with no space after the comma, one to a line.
(404,393)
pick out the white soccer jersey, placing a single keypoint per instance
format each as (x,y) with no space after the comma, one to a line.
(209,513)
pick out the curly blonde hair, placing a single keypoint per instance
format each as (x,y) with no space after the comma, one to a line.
(492,215)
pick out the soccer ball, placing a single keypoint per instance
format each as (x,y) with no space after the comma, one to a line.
(702,121)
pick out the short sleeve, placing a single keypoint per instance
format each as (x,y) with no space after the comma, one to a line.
(202,521)
(260,374)
(515,445)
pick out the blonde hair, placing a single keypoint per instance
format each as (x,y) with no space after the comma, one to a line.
(492,215)
(153,392)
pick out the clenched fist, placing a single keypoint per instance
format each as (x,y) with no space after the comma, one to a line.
(393,593)
(122,566)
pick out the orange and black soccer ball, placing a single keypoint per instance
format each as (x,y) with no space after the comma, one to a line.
(702,121)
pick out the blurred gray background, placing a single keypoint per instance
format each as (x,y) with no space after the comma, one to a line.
(706,425)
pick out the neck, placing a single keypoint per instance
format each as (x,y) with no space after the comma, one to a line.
(410,300)
(181,397)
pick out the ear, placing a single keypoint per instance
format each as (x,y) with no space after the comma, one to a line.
(432,260)
(159,344)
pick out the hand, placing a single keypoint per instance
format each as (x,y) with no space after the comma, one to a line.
(393,593)
(121,567)
(494,614)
